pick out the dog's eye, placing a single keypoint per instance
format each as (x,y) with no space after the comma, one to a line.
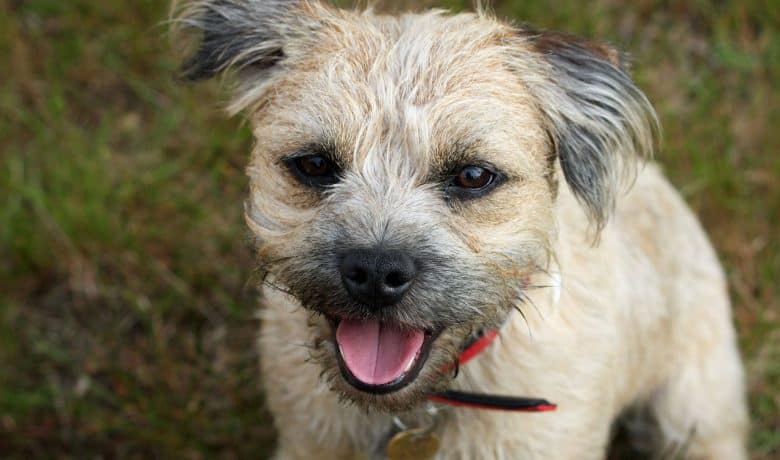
(474,177)
(314,170)
(471,181)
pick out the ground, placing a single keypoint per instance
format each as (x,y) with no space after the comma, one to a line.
(126,284)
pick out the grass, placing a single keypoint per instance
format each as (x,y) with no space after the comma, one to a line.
(126,307)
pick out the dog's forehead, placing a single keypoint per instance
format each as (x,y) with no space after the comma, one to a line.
(425,88)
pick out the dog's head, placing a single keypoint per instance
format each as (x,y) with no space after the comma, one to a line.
(404,178)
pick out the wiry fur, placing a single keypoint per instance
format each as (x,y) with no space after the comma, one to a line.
(600,120)
(639,319)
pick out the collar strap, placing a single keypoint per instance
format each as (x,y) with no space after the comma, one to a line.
(493,402)
(477,344)
(487,401)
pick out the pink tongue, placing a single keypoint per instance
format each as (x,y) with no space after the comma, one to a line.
(376,353)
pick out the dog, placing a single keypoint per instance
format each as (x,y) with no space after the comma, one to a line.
(422,178)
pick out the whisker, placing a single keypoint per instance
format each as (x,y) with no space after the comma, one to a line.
(537,286)
(522,314)
(542,270)
(278,288)
(305,345)
(527,299)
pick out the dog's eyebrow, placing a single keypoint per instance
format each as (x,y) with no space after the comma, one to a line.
(448,161)
(326,149)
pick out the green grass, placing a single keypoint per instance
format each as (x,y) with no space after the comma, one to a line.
(126,307)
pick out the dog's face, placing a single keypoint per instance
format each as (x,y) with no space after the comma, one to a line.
(405,173)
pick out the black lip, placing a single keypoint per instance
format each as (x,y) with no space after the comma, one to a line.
(390,387)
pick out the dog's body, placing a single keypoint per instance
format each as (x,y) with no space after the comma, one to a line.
(588,351)
(405,192)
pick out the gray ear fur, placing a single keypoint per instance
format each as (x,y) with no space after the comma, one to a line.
(234,34)
(600,121)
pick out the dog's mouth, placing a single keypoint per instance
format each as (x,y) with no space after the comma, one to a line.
(378,357)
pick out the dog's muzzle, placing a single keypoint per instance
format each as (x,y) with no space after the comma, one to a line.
(377,356)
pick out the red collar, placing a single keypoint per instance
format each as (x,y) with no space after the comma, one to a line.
(488,401)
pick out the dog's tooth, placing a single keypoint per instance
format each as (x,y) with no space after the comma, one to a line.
(410,364)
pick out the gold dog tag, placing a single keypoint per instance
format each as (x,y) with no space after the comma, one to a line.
(414,444)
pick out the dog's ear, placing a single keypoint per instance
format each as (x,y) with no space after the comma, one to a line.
(236,35)
(600,122)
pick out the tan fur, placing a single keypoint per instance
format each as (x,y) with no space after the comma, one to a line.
(638,321)
(639,318)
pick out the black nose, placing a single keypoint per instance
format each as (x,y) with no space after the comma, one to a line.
(377,277)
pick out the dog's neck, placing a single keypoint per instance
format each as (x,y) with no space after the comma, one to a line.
(520,332)
(474,346)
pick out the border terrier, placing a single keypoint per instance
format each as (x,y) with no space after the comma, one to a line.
(418,178)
